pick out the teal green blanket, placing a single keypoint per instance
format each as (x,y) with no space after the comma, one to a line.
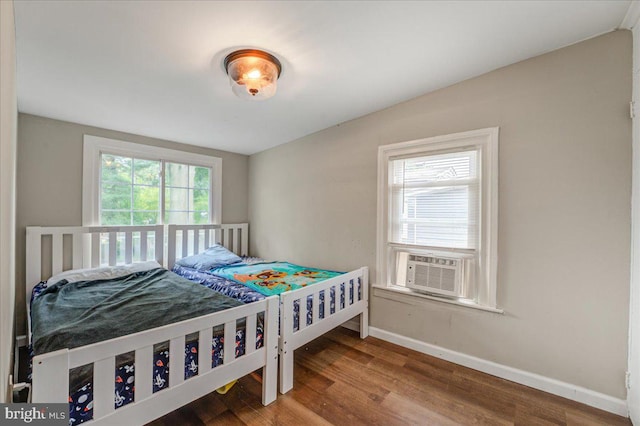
(271,278)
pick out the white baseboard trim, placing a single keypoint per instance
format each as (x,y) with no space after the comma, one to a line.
(536,381)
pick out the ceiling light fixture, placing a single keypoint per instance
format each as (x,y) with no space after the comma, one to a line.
(253,74)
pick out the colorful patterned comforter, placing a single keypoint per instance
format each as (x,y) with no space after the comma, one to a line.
(273,278)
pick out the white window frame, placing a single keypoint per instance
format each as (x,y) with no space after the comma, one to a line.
(486,141)
(95,146)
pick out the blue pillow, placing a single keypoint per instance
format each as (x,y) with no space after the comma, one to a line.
(213,257)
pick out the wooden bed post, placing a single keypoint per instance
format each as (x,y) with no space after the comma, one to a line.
(270,370)
(285,369)
(364,316)
(51,377)
(171,253)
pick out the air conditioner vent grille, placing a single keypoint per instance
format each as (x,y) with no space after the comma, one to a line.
(448,279)
(437,274)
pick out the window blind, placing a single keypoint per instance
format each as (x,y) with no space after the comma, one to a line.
(435,200)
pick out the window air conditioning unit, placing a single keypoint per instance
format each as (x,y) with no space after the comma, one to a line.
(446,275)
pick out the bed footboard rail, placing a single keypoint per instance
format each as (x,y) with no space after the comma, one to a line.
(51,370)
(309,312)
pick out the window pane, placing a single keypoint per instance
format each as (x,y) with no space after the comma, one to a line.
(201,200)
(436,168)
(115,169)
(177,175)
(115,197)
(146,198)
(200,217)
(187,193)
(145,218)
(146,172)
(200,177)
(179,218)
(435,200)
(115,218)
(437,204)
(125,195)
(176,199)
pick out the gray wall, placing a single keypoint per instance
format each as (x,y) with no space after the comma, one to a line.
(8,125)
(50,180)
(564,210)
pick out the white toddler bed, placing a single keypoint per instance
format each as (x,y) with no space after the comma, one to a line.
(192,239)
(61,248)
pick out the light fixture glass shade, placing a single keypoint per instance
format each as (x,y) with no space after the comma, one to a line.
(253,74)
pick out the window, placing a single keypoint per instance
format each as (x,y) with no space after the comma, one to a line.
(132,184)
(437,217)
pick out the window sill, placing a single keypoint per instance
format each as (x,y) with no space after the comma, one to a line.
(401,294)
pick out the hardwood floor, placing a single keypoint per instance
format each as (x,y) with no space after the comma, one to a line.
(342,380)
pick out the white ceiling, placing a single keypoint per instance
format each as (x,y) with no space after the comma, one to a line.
(154,68)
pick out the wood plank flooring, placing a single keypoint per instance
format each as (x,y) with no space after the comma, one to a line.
(343,380)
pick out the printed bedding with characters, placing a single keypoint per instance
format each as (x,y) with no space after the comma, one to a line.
(81,307)
(251,278)
(273,278)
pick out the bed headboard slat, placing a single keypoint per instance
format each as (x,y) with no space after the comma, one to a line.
(233,236)
(236,240)
(159,249)
(225,238)
(206,238)
(196,240)
(57,250)
(77,251)
(94,259)
(144,239)
(128,247)
(112,248)
(244,231)
(34,257)
(185,242)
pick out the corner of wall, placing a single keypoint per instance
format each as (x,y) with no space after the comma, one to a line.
(8,141)
(633,365)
